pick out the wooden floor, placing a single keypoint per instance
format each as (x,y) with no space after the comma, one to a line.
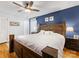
(4,52)
(70,53)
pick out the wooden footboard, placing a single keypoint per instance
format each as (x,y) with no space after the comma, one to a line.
(24,52)
(49,52)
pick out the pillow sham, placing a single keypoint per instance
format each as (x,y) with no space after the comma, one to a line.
(49,32)
(42,32)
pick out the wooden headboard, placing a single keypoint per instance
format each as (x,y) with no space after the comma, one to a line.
(58,28)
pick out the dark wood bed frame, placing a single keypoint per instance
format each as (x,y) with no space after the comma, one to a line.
(24,52)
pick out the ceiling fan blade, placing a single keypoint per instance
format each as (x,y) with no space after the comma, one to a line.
(35,10)
(17,4)
(30,3)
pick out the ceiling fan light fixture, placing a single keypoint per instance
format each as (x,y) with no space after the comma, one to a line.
(27,6)
(27,10)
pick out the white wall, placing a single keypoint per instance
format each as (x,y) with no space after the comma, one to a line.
(3,29)
(23,29)
(16,30)
(6,29)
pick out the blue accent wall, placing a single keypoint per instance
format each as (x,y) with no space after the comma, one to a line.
(70,15)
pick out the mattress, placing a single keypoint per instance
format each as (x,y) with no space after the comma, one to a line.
(36,42)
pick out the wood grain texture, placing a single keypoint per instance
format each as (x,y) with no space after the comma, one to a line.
(70,53)
(72,44)
(4,52)
(57,28)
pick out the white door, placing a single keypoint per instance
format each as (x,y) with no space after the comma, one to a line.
(3,30)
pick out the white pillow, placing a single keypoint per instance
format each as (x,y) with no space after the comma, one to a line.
(42,32)
(49,32)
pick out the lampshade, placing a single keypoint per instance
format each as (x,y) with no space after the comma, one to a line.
(70,29)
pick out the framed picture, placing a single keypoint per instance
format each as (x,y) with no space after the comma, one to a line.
(51,18)
(12,23)
(46,19)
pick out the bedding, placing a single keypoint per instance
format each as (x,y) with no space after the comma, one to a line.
(36,42)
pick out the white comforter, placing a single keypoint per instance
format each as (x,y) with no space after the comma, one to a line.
(37,42)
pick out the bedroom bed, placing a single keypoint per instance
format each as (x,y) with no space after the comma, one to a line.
(48,43)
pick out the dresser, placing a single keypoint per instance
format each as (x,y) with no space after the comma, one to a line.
(72,44)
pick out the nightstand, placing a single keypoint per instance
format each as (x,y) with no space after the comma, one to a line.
(72,44)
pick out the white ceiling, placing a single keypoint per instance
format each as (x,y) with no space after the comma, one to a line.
(8,9)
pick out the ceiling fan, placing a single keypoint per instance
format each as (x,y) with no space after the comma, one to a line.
(27,6)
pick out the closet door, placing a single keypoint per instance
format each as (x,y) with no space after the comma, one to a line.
(3,30)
